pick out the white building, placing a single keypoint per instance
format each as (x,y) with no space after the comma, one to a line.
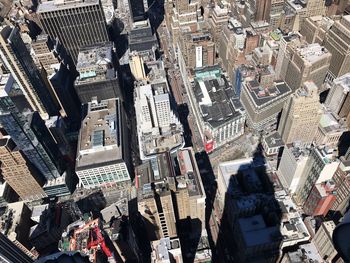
(158,127)
(291,167)
(103,153)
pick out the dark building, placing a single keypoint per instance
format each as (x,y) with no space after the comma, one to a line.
(75,23)
(137,10)
(20,63)
(28,131)
(10,253)
(142,40)
(97,75)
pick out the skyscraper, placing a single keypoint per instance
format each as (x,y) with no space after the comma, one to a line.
(19,62)
(75,23)
(18,173)
(301,115)
(307,63)
(338,43)
(10,253)
(28,131)
(338,98)
(97,76)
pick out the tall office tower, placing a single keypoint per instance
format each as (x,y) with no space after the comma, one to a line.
(338,98)
(217,22)
(19,62)
(263,8)
(315,29)
(197,49)
(76,24)
(323,241)
(18,173)
(190,195)
(185,14)
(158,127)
(28,131)
(341,180)
(263,99)
(97,75)
(137,67)
(276,12)
(103,153)
(308,63)
(301,115)
(303,10)
(320,167)
(143,41)
(287,46)
(138,10)
(292,164)
(43,56)
(156,206)
(338,43)
(11,253)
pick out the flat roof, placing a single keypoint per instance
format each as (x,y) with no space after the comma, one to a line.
(215,98)
(56,5)
(100,135)
(263,96)
(274,140)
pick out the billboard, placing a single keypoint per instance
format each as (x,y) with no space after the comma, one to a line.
(199,57)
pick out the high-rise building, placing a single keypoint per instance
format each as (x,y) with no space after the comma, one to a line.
(338,43)
(341,179)
(18,173)
(320,199)
(103,154)
(217,21)
(292,165)
(185,14)
(11,253)
(320,167)
(329,130)
(338,98)
(263,99)
(197,49)
(138,10)
(97,75)
(323,241)
(315,29)
(19,62)
(29,131)
(76,24)
(158,127)
(219,114)
(301,115)
(307,63)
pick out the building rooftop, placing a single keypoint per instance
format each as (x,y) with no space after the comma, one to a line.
(329,123)
(11,219)
(306,253)
(95,63)
(256,233)
(263,96)
(216,99)
(274,140)
(313,52)
(100,135)
(298,150)
(55,5)
(190,177)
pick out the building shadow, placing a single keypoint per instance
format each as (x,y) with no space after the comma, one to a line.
(247,212)
(344,143)
(155,13)
(190,233)
(184,112)
(210,188)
